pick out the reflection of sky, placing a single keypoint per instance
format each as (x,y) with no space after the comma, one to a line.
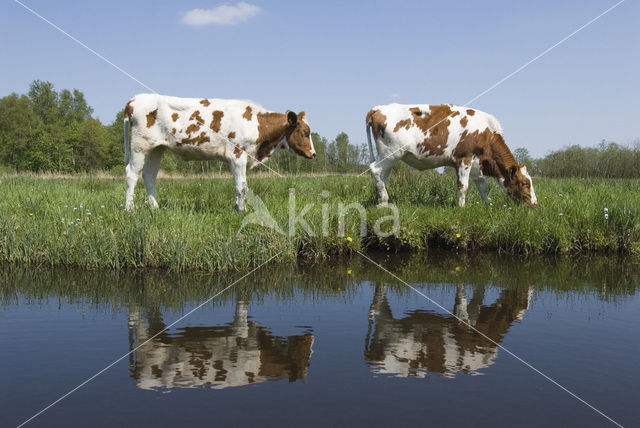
(588,344)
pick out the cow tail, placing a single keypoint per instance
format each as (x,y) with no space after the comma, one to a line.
(127,140)
(373,156)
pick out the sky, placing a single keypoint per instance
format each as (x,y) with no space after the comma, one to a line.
(338,59)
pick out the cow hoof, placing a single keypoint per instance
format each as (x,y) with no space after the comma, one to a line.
(239,208)
(382,204)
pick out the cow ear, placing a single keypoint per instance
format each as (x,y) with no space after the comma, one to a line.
(301,115)
(292,119)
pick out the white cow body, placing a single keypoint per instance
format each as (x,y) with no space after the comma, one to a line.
(430,136)
(241,132)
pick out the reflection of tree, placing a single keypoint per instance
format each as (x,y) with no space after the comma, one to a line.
(234,354)
(425,341)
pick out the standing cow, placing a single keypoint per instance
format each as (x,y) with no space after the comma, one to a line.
(430,136)
(240,132)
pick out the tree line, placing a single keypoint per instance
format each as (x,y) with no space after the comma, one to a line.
(49,131)
(607,160)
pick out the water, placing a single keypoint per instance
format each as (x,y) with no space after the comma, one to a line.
(326,344)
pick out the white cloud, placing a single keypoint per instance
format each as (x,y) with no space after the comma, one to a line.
(222,15)
(394,96)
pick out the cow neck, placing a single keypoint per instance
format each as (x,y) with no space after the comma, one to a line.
(272,128)
(502,157)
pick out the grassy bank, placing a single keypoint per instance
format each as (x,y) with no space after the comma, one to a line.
(81,221)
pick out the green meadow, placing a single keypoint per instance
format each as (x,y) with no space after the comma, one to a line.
(80,220)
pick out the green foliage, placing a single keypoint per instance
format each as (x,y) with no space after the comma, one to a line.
(50,131)
(608,160)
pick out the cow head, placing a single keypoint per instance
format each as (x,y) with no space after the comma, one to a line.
(520,186)
(298,136)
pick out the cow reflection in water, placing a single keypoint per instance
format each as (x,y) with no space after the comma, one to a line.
(235,354)
(425,342)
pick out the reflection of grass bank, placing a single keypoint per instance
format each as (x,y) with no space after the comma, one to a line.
(610,277)
(81,221)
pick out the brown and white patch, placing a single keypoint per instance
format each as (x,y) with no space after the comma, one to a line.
(205,102)
(247,113)
(175,116)
(196,116)
(378,122)
(216,120)
(192,128)
(271,129)
(406,124)
(128,109)
(231,135)
(197,140)
(151,118)
(435,126)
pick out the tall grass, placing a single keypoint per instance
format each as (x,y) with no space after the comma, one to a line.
(81,221)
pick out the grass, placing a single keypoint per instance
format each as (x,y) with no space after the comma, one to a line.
(81,221)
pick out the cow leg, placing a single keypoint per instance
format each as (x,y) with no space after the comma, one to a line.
(460,304)
(132,170)
(464,168)
(481,184)
(150,173)
(380,172)
(239,171)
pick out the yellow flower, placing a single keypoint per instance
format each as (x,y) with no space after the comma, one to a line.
(31,214)
(349,239)
(457,235)
(348,271)
(457,268)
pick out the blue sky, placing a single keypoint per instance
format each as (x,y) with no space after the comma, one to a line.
(337,59)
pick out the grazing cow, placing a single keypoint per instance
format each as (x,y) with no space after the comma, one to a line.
(430,136)
(239,353)
(240,132)
(424,341)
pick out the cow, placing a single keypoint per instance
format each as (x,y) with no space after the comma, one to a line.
(241,132)
(421,342)
(238,353)
(429,136)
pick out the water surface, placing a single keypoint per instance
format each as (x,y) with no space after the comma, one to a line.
(326,344)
